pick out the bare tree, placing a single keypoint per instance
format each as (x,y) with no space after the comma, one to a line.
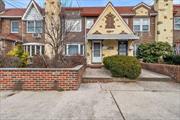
(57,30)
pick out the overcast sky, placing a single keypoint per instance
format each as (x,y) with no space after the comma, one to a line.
(76,3)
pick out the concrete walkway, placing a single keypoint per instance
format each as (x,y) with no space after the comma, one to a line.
(99,101)
(105,74)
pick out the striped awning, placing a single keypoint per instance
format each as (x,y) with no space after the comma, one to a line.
(112,37)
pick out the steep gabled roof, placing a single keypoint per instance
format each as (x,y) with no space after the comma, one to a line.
(34,4)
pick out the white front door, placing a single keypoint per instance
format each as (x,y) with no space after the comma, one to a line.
(96,52)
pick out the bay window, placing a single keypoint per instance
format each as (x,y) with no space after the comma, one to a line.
(177,23)
(34,48)
(73,25)
(141,24)
(34,26)
(74,49)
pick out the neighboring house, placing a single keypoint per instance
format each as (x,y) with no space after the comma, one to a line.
(22,26)
(99,31)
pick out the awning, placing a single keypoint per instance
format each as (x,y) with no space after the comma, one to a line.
(112,36)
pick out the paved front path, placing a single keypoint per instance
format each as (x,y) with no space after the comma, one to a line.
(111,101)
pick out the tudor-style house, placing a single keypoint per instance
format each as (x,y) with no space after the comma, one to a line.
(97,32)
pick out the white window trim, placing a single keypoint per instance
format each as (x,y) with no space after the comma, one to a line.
(12,27)
(175,28)
(141,24)
(79,49)
(34,26)
(33,44)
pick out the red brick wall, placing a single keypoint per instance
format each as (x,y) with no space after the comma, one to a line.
(171,70)
(41,79)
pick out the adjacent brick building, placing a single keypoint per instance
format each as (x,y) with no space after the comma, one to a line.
(98,31)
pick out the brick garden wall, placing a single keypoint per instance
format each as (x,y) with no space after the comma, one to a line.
(171,70)
(40,79)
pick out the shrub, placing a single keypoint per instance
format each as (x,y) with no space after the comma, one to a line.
(18,52)
(9,62)
(152,52)
(39,61)
(176,59)
(123,66)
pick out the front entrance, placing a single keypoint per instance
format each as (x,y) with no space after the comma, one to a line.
(96,52)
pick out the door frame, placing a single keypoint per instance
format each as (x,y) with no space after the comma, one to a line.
(92,52)
(126,47)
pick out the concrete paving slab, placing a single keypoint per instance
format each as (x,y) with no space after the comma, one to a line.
(149,105)
(160,86)
(5,94)
(150,74)
(76,105)
(122,86)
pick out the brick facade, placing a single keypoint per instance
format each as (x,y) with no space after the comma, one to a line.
(171,70)
(41,79)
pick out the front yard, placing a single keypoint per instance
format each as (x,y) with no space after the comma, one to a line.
(98,101)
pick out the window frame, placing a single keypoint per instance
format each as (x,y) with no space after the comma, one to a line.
(79,19)
(175,28)
(34,27)
(141,24)
(12,26)
(29,46)
(87,27)
(79,49)
(126,20)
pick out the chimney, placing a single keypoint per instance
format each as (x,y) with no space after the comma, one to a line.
(2,6)
(164,21)
(52,18)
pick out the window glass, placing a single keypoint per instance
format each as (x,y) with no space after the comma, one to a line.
(14,26)
(39,27)
(30,26)
(73,25)
(73,49)
(89,23)
(177,23)
(141,24)
(123,48)
(82,50)
(34,49)
(34,26)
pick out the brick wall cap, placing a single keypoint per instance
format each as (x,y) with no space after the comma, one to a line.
(43,69)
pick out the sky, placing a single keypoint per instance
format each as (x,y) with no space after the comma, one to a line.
(81,3)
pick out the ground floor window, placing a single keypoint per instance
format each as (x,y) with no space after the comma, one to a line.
(123,48)
(34,49)
(74,49)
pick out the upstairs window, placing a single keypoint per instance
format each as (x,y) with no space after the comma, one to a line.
(34,26)
(141,24)
(126,20)
(14,26)
(177,23)
(73,25)
(89,23)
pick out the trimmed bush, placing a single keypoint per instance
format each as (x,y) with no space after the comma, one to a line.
(123,66)
(176,59)
(152,52)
